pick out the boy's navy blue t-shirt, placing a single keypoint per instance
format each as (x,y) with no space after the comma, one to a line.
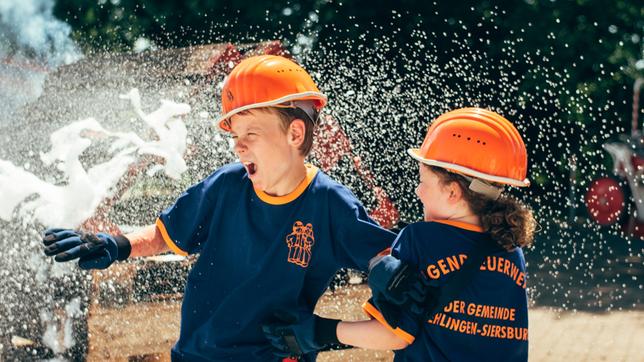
(487,321)
(260,255)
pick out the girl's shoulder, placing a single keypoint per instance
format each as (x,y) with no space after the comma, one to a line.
(443,228)
(439,238)
(436,236)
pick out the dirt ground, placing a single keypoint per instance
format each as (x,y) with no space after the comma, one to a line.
(150,331)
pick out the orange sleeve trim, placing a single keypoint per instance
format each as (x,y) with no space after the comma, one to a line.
(164,233)
(375,313)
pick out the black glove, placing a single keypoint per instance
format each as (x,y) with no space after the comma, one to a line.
(293,338)
(392,278)
(396,287)
(93,251)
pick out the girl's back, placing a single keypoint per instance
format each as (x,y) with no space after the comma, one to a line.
(488,319)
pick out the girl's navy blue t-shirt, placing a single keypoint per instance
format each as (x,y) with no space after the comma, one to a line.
(487,321)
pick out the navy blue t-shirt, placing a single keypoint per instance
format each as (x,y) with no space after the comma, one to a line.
(487,321)
(260,254)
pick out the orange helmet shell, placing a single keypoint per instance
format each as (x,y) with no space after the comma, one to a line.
(478,143)
(265,81)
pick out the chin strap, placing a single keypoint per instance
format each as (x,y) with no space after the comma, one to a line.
(306,106)
(484,188)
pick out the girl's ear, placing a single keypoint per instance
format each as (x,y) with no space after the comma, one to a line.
(296,133)
(455,192)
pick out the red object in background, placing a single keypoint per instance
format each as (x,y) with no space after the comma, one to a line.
(605,201)
(331,145)
(219,61)
(637,161)
(273,47)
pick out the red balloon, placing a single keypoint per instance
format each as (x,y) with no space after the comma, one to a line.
(605,201)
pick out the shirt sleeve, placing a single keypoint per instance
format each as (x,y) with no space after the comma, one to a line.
(185,225)
(357,237)
(403,248)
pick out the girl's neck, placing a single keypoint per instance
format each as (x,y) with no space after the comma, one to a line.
(467,218)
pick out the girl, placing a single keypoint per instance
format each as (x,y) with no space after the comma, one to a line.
(468,155)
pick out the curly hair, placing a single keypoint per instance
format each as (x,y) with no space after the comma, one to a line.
(509,221)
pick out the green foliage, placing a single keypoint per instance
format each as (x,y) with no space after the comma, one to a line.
(117,24)
(596,46)
(598,42)
(603,32)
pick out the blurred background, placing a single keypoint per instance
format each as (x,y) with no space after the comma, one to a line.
(566,73)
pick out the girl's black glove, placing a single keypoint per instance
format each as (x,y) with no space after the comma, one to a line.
(398,287)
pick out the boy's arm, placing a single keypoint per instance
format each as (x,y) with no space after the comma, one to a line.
(356,236)
(369,334)
(147,241)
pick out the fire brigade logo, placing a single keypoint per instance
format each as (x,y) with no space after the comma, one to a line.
(299,243)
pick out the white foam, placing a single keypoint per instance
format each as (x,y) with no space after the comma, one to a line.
(72,310)
(70,203)
(172,133)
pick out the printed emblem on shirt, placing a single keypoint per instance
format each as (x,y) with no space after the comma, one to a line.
(299,243)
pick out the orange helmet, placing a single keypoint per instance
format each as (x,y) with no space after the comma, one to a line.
(268,81)
(477,143)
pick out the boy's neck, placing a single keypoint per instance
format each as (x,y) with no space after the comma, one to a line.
(288,182)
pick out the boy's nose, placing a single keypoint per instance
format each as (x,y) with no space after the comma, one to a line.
(240,147)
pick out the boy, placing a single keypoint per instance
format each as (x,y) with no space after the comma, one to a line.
(271,230)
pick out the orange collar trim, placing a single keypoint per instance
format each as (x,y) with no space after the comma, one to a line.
(461,225)
(311,171)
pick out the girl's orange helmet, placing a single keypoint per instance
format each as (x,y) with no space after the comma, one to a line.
(267,81)
(478,143)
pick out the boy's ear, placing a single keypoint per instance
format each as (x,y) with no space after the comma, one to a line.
(296,133)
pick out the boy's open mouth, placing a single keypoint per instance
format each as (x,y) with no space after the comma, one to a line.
(251,168)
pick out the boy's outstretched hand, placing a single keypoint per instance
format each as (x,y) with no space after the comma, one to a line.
(93,251)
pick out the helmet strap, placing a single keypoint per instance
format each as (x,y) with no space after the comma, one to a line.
(484,188)
(306,106)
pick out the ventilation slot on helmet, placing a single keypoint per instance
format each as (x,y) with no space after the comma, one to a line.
(289,70)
